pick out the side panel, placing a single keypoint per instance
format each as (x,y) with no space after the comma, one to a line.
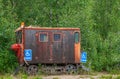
(30,43)
(77,46)
(57,46)
(68,46)
(63,51)
(44,48)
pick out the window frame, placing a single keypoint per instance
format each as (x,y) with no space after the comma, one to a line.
(19,37)
(46,36)
(78,39)
(59,39)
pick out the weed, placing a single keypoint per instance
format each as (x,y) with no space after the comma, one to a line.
(106,77)
(24,76)
(114,71)
(118,77)
(38,78)
(55,78)
(91,78)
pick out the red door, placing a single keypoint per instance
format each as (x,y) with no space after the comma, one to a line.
(44,47)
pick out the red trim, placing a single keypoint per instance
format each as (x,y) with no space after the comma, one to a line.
(48,28)
(22,47)
(53,28)
(78,36)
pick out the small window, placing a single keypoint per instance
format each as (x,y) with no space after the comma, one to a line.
(19,37)
(43,37)
(76,35)
(57,37)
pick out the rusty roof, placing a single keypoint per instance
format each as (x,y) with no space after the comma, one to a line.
(45,28)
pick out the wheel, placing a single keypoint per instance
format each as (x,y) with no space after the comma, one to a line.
(70,69)
(32,70)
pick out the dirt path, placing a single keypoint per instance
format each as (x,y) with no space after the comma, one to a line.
(64,77)
(99,76)
(93,76)
(71,77)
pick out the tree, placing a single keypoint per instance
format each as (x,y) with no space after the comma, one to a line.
(7,25)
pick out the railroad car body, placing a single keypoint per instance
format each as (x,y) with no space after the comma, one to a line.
(47,45)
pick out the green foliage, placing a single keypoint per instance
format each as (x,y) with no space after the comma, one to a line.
(7,25)
(99,21)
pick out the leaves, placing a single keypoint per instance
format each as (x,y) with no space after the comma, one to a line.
(99,21)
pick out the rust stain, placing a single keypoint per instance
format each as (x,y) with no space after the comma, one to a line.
(21,51)
(45,28)
(51,51)
(22,47)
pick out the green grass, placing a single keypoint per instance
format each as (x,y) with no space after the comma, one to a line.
(20,76)
(118,77)
(106,77)
(55,78)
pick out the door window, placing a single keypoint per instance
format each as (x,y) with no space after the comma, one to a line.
(57,37)
(76,37)
(43,37)
(19,37)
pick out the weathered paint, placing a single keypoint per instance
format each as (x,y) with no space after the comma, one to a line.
(77,52)
(59,52)
(46,28)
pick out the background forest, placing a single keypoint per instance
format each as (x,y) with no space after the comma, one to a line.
(99,21)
